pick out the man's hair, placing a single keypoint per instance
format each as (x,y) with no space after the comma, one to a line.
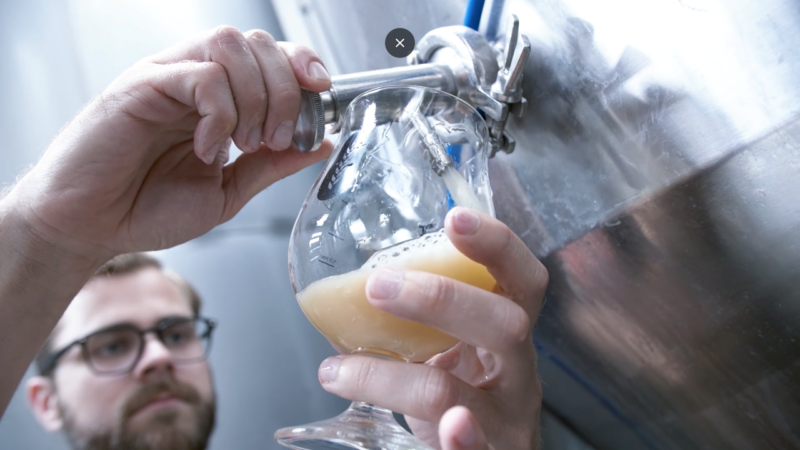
(121,265)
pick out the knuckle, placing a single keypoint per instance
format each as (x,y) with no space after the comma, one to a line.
(307,50)
(260,37)
(517,326)
(438,393)
(437,293)
(288,88)
(227,35)
(254,103)
(262,97)
(228,122)
(286,96)
(258,103)
(508,243)
(212,72)
(363,373)
(214,76)
(532,294)
(304,52)
(139,96)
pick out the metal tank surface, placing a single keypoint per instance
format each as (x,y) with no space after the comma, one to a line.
(657,175)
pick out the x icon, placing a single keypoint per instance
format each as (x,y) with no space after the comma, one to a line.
(398,42)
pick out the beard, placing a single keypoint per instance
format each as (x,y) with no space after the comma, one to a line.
(169,428)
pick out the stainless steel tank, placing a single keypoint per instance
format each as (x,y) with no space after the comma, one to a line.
(657,174)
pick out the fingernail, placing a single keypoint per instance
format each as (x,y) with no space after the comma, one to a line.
(254,140)
(223,155)
(466,221)
(317,70)
(468,434)
(222,150)
(209,154)
(329,369)
(283,135)
(385,284)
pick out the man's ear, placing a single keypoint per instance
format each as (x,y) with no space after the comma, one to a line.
(43,401)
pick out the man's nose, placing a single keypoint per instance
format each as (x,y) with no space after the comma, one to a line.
(156,358)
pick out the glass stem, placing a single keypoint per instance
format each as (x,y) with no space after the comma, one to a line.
(361,426)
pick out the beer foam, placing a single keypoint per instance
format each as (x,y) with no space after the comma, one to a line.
(400,254)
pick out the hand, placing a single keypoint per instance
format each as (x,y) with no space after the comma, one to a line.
(142,166)
(492,372)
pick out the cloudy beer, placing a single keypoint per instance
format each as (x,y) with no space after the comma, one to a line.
(339,308)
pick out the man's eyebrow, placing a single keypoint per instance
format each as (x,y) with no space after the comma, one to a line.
(113,326)
(84,335)
(128,324)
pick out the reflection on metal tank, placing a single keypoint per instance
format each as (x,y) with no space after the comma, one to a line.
(657,174)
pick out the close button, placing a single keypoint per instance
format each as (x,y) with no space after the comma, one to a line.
(400,42)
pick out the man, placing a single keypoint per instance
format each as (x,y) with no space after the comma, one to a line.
(107,384)
(144,167)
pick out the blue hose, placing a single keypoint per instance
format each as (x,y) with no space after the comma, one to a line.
(472,18)
(493,23)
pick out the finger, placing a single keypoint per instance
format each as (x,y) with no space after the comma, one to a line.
(478,367)
(308,67)
(473,315)
(490,242)
(251,173)
(416,390)
(282,89)
(202,86)
(227,46)
(458,430)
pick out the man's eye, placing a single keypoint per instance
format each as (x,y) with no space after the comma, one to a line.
(174,338)
(112,348)
(179,335)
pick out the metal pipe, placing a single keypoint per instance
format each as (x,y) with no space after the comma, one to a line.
(345,88)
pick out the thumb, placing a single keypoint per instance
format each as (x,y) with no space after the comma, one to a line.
(251,173)
(458,430)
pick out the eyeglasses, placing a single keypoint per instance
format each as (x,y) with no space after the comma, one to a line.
(117,349)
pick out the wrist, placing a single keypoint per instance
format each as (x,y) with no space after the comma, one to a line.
(24,243)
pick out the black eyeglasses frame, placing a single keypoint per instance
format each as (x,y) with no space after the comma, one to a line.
(50,363)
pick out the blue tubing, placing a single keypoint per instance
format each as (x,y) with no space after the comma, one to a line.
(472,18)
(493,23)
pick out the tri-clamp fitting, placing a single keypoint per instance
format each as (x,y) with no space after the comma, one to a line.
(455,59)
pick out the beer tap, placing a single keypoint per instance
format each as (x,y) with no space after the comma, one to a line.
(454,59)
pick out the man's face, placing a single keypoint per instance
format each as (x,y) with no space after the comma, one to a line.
(159,404)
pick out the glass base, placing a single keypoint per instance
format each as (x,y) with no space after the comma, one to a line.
(362,426)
